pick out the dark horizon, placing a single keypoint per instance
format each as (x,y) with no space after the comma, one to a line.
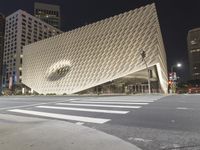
(176,19)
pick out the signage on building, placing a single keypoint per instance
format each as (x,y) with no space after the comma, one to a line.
(172,76)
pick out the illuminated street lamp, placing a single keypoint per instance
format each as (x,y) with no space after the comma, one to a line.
(178,65)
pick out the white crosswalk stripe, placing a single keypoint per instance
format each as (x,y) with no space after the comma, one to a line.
(93,105)
(87,110)
(61,116)
(121,103)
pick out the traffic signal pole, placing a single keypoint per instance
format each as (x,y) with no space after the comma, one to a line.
(143,54)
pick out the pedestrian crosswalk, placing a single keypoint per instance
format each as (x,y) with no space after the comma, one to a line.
(87,110)
(94,105)
(97,111)
(61,116)
(121,103)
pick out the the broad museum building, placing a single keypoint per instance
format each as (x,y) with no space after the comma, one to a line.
(102,57)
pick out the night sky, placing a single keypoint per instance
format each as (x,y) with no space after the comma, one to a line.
(176,18)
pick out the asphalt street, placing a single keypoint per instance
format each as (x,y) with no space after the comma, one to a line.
(153,122)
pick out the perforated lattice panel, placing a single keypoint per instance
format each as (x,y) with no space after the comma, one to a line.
(97,53)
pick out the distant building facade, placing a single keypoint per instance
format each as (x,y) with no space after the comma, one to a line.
(2,32)
(48,13)
(21,29)
(103,57)
(193,41)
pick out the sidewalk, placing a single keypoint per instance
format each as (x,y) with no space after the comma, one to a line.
(25,133)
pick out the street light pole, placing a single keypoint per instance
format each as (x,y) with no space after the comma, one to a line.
(173,85)
(172,68)
(178,65)
(143,54)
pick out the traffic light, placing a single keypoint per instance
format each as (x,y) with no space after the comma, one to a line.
(169,82)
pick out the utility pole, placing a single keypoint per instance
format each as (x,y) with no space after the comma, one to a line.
(173,77)
(143,55)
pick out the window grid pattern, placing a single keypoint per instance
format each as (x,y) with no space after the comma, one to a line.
(22,29)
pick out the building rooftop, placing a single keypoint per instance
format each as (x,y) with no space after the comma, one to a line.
(46,6)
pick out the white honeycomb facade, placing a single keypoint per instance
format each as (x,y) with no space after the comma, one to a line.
(97,53)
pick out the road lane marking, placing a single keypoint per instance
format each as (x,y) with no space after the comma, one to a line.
(72,99)
(80,123)
(32,105)
(22,106)
(87,110)
(61,116)
(173,121)
(183,108)
(122,103)
(142,140)
(114,106)
(15,118)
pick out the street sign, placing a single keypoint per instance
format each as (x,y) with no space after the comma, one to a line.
(172,76)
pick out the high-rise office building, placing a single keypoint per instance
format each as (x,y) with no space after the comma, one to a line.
(194,52)
(2,31)
(21,29)
(48,13)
